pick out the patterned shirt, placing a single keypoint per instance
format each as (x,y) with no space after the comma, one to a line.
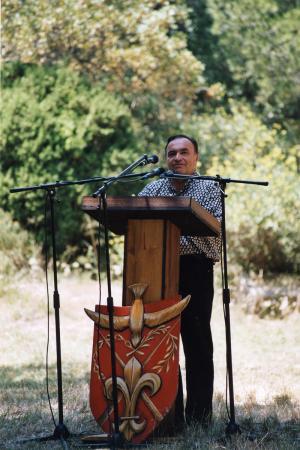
(207,194)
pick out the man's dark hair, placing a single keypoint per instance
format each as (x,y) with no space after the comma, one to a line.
(178,136)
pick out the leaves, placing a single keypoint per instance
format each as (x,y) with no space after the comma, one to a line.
(170,351)
(134,48)
(262,222)
(94,82)
(261,41)
(57,126)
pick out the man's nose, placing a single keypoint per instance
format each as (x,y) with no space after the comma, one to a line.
(178,155)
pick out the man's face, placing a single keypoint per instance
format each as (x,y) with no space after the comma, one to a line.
(181,156)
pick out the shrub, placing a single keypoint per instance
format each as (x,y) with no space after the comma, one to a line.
(57,126)
(18,253)
(262,222)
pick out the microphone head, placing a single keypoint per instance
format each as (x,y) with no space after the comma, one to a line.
(153,159)
(154,173)
(167,173)
(159,170)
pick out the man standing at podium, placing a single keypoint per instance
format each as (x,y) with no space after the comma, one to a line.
(197,258)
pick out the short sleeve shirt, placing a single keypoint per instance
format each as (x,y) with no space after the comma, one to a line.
(207,194)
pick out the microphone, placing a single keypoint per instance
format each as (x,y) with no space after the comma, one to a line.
(171,174)
(149,160)
(167,173)
(154,173)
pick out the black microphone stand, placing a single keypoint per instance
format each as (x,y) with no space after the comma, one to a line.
(117,439)
(61,431)
(232,427)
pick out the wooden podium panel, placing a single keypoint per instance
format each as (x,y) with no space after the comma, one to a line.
(151,255)
(191,218)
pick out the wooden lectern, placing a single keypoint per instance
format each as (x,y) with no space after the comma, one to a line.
(152,227)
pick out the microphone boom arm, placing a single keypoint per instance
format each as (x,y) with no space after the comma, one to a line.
(178,176)
(142,161)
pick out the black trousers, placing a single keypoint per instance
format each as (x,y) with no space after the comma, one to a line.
(196,278)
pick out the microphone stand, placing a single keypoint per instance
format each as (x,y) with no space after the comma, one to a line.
(117,438)
(61,431)
(232,427)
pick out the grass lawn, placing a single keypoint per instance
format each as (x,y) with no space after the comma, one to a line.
(266,369)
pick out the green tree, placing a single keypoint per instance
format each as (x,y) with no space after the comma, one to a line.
(57,126)
(261,41)
(204,43)
(135,48)
(133,74)
(263,222)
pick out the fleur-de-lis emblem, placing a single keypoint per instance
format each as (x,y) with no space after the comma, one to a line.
(131,387)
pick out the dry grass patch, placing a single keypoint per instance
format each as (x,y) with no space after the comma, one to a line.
(266,374)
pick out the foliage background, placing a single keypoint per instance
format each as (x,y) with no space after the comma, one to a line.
(89,85)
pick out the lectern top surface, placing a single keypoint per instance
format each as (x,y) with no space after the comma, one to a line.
(185,212)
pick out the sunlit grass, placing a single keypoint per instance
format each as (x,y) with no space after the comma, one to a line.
(266,374)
